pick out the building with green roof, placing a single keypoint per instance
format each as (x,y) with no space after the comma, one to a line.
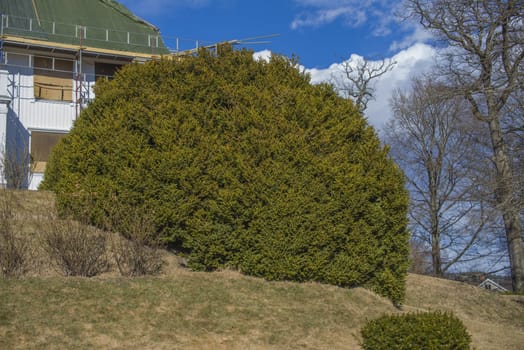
(95,25)
(51,54)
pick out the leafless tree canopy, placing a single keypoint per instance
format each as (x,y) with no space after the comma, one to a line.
(358,79)
(434,141)
(484,61)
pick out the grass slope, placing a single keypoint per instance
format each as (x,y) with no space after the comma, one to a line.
(224,310)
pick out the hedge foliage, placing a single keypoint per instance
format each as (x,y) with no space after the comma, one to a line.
(244,164)
(429,331)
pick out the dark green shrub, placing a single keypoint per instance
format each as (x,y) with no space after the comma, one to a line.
(428,331)
(245,165)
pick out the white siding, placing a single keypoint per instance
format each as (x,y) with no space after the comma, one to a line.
(3,131)
(37,178)
(88,68)
(27,113)
(4,82)
(47,115)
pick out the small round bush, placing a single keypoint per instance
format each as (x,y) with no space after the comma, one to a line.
(429,331)
(244,164)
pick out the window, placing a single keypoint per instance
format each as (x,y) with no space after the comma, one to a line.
(106,70)
(17,59)
(80,32)
(153,40)
(53,78)
(41,145)
(64,66)
(43,62)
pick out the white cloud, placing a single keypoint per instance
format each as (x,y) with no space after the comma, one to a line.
(262,55)
(418,35)
(416,60)
(324,16)
(354,13)
(413,61)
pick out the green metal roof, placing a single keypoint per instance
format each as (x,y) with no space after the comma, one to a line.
(108,24)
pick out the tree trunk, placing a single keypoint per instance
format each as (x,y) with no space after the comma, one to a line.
(435,255)
(505,196)
(434,221)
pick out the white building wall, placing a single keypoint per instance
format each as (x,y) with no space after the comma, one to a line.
(17,149)
(47,115)
(54,116)
(33,113)
(35,180)
(3,132)
(3,128)
(30,114)
(4,82)
(5,100)
(88,69)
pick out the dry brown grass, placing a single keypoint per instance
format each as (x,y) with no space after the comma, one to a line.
(495,321)
(181,309)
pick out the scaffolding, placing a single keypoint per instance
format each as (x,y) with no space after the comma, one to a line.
(145,42)
(80,41)
(2,38)
(79,76)
(25,32)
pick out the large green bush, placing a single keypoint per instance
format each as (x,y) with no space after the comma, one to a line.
(429,331)
(244,164)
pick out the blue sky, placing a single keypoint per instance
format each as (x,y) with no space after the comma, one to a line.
(322,33)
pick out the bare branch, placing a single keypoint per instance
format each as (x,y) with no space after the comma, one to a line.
(358,79)
(437,150)
(485,63)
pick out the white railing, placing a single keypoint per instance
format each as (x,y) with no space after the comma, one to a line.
(11,24)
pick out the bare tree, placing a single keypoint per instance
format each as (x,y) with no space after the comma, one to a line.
(485,63)
(16,165)
(434,143)
(513,127)
(420,257)
(14,247)
(358,77)
(17,168)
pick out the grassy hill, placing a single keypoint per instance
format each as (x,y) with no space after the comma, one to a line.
(182,309)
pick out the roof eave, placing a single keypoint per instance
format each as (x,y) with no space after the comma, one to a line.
(67,48)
